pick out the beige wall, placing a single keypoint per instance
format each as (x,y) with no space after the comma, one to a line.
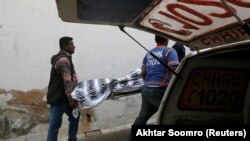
(29,31)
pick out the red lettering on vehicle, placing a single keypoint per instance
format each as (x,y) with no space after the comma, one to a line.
(205,20)
(211,40)
(215,38)
(226,14)
(179,17)
(224,36)
(241,3)
(160,25)
(241,31)
(186,19)
(205,41)
(185,24)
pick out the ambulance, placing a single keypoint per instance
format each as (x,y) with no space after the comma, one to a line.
(211,84)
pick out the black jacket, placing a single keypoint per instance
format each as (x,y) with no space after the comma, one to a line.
(56,91)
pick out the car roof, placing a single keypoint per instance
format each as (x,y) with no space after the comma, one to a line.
(197,24)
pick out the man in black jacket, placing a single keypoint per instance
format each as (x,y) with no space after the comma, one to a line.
(62,82)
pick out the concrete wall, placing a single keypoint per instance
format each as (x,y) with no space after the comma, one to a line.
(29,33)
(30,29)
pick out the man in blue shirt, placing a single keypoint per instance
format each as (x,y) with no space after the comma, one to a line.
(156,78)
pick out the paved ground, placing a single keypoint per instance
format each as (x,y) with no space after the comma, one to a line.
(121,135)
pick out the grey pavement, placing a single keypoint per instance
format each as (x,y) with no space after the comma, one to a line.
(119,133)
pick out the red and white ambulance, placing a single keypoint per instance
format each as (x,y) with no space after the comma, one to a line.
(211,85)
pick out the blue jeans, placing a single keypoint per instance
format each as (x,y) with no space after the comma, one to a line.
(56,113)
(151,100)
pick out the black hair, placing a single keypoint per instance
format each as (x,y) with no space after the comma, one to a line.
(64,41)
(159,39)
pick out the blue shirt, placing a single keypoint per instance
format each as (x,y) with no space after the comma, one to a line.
(156,74)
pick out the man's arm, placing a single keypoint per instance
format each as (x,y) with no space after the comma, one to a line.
(172,58)
(173,61)
(67,80)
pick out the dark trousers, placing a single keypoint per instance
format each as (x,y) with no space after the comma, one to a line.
(151,100)
(55,121)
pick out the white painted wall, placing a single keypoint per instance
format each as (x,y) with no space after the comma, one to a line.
(29,33)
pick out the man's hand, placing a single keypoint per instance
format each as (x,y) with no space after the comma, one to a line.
(73,104)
